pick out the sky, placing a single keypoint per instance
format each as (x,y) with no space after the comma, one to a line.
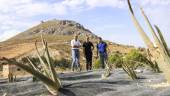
(109,19)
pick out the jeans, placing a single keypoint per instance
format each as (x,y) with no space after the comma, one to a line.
(103,59)
(75,59)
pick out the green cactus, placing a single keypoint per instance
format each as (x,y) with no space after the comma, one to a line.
(46,72)
(159,52)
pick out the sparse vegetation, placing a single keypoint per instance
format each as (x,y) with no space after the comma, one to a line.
(131,61)
(116,60)
(135,59)
(62,63)
(97,64)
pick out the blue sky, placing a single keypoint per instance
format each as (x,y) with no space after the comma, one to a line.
(107,18)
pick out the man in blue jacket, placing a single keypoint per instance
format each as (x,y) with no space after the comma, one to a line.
(102,52)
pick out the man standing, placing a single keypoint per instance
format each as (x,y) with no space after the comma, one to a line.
(87,50)
(75,44)
(102,52)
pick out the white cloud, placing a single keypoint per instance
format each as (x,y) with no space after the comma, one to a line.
(106,3)
(155,2)
(59,9)
(90,4)
(74,3)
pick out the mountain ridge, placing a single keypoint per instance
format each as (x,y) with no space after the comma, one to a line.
(55,27)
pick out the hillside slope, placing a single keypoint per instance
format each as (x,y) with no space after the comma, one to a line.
(58,34)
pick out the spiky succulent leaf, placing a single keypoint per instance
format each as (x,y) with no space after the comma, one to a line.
(157,41)
(146,39)
(50,63)
(162,40)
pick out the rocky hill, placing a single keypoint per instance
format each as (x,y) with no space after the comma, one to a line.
(58,34)
(55,27)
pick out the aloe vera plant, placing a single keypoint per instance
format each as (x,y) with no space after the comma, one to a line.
(158,49)
(129,66)
(44,71)
(130,71)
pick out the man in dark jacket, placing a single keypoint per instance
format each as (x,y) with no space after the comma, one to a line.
(87,50)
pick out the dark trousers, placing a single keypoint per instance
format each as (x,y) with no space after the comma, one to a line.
(103,59)
(88,61)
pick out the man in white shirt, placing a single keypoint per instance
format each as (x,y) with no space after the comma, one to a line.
(75,44)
